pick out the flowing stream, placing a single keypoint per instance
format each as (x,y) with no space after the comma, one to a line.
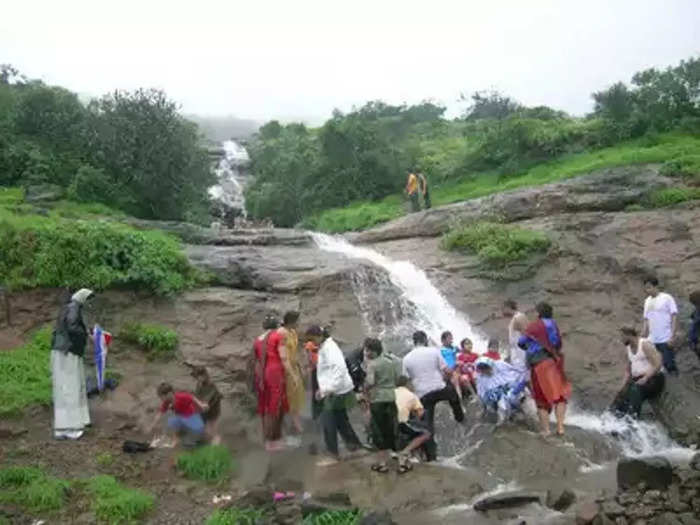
(228,192)
(424,307)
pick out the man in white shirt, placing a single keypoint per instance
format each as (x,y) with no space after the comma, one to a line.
(660,317)
(426,368)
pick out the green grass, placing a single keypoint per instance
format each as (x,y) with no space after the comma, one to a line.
(159,342)
(105,459)
(234,516)
(671,196)
(211,463)
(113,503)
(678,150)
(39,251)
(333,517)
(31,489)
(83,210)
(11,196)
(26,377)
(495,244)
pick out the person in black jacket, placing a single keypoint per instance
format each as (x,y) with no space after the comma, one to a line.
(70,405)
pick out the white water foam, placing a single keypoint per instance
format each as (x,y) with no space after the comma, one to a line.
(229,190)
(435,314)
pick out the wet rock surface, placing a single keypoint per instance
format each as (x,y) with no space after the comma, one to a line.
(653,472)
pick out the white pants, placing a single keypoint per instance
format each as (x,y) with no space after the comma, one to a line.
(70,404)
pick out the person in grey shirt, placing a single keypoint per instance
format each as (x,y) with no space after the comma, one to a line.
(426,368)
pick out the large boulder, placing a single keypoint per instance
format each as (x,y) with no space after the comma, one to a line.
(677,406)
(610,189)
(654,472)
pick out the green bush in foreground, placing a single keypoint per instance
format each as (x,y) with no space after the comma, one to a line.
(115,503)
(209,463)
(49,251)
(670,196)
(31,489)
(234,516)
(26,375)
(158,341)
(495,244)
(334,517)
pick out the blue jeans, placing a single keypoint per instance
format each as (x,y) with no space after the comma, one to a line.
(668,357)
(193,424)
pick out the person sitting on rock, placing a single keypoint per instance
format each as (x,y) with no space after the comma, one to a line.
(643,377)
(501,387)
(465,364)
(449,354)
(186,408)
(492,350)
(206,391)
(694,331)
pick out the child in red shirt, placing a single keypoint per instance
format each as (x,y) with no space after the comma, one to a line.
(186,412)
(465,365)
(492,350)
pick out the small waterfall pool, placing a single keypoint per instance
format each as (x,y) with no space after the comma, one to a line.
(424,307)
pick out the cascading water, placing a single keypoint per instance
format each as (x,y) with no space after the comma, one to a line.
(424,307)
(228,192)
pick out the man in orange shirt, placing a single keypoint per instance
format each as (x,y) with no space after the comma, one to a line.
(412,191)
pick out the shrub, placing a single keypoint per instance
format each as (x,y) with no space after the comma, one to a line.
(333,517)
(209,463)
(671,196)
(114,503)
(234,516)
(158,341)
(685,167)
(11,196)
(26,375)
(40,251)
(31,489)
(495,244)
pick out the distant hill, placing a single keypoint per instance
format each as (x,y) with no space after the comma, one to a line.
(222,128)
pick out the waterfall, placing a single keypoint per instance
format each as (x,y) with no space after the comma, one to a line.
(227,194)
(423,307)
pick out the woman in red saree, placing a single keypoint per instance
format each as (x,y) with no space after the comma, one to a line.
(270,383)
(550,388)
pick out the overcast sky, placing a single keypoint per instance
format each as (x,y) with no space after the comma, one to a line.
(302,58)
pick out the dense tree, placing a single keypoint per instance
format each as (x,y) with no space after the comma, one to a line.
(489,105)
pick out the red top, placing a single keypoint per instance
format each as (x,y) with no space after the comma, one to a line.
(183,405)
(466,364)
(493,355)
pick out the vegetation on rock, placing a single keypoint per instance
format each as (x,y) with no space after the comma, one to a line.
(333,517)
(496,244)
(210,463)
(236,516)
(26,375)
(53,251)
(158,341)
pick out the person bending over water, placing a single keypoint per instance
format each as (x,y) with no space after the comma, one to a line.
(426,369)
(550,387)
(643,378)
(186,418)
(411,425)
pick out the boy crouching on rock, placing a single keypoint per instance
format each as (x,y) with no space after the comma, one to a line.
(186,418)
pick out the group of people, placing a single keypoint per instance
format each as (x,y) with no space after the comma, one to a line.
(398,396)
(417,186)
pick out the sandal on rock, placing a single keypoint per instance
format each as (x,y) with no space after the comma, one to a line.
(405,467)
(380,467)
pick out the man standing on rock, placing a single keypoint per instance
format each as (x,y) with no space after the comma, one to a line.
(426,368)
(660,319)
